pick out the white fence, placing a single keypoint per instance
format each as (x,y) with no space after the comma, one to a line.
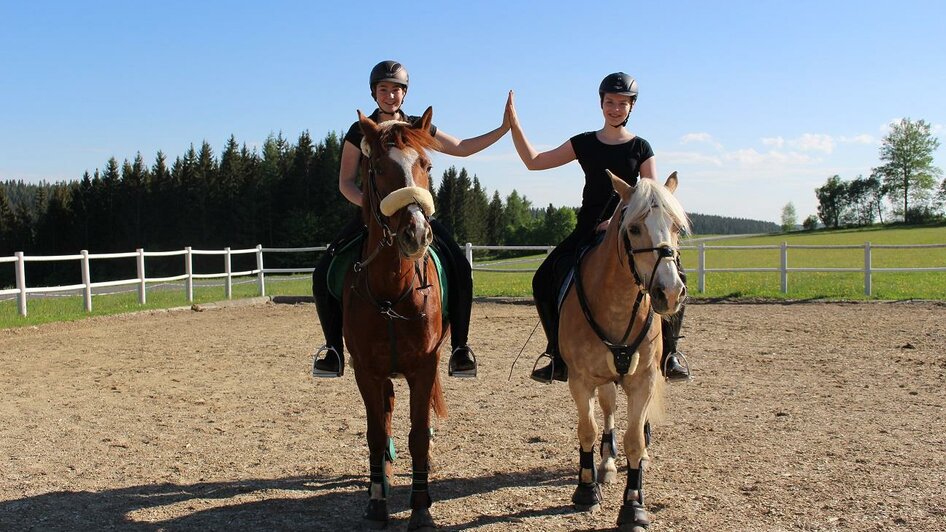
(701,270)
(22,292)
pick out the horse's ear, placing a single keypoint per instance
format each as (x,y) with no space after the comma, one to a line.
(672,182)
(369,128)
(424,123)
(620,186)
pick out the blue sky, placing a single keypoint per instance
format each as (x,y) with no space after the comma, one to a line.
(754,103)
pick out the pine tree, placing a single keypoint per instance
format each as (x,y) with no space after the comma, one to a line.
(495,225)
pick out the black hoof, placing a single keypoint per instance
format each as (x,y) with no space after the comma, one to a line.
(587,497)
(421,521)
(376,514)
(633,517)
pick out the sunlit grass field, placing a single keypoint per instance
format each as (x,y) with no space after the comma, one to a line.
(801,285)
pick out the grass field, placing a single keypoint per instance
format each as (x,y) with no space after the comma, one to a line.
(801,285)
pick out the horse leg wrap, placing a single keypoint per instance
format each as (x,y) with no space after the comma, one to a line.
(635,482)
(390,454)
(377,476)
(587,461)
(587,496)
(419,488)
(608,442)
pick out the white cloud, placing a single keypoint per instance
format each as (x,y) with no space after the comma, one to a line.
(704,138)
(858,139)
(814,142)
(777,142)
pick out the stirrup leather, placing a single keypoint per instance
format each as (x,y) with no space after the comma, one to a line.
(329,352)
(462,374)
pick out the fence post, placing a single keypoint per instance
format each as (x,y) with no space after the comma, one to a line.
(784,253)
(142,285)
(87,281)
(228,286)
(867,267)
(189,270)
(468,249)
(261,279)
(701,267)
(21,282)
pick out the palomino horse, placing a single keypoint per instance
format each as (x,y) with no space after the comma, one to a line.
(392,312)
(608,334)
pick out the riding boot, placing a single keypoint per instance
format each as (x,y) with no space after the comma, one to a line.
(329,310)
(462,363)
(556,369)
(673,363)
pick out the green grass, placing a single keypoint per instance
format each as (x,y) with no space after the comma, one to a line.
(801,285)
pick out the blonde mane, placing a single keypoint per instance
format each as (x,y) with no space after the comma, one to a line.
(649,194)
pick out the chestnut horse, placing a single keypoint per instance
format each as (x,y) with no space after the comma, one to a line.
(609,334)
(392,311)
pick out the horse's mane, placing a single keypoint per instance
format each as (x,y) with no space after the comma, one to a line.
(401,135)
(649,194)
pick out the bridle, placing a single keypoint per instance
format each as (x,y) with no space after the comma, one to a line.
(622,351)
(386,307)
(387,236)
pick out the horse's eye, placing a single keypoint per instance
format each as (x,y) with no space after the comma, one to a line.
(430,167)
(635,230)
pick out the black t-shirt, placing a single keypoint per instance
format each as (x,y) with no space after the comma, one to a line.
(598,198)
(355,135)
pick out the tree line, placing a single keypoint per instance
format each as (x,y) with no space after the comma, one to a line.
(283,194)
(906,179)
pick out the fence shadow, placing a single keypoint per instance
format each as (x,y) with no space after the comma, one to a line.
(313,503)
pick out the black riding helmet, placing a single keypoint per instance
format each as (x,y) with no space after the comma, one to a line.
(391,71)
(618,83)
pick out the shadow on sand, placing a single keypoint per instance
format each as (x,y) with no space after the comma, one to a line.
(300,503)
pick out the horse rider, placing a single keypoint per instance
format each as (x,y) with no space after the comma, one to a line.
(627,155)
(389,82)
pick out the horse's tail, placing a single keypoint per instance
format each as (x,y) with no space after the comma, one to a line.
(437,402)
(655,410)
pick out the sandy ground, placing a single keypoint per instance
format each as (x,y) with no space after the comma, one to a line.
(805,416)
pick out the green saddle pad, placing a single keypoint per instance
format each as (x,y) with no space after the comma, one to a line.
(344,261)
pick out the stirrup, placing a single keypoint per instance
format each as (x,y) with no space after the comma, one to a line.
(551,366)
(327,374)
(465,373)
(683,362)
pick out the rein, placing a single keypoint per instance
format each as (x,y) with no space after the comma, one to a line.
(621,351)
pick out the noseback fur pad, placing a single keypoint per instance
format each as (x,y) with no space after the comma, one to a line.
(405,196)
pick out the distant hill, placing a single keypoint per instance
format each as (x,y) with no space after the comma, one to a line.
(711,224)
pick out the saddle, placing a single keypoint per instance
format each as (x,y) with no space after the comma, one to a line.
(565,279)
(347,253)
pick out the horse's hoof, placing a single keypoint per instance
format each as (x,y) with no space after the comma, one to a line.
(421,521)
(633,517)
(607,477)
(587,497)
(376,514)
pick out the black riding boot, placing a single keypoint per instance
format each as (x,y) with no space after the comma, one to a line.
(673,363)
(556,369)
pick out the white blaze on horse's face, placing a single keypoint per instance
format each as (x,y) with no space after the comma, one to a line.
(406,159)
(415,234)
(666,288)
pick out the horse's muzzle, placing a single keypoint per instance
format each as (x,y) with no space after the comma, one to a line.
(667,301)
(415,235)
